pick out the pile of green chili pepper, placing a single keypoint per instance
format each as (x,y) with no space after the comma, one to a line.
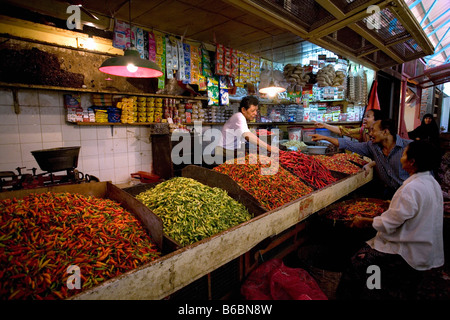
(307,168)
(192,211)
(271,190)
(42,235)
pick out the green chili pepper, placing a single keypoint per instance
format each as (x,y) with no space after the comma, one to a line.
(192,211)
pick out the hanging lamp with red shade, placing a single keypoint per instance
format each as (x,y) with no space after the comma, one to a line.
(131,64)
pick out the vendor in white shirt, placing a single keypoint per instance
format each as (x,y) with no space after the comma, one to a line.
(409,236)
(235,131)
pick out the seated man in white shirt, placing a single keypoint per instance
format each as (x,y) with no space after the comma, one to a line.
(235,131)
(409,237)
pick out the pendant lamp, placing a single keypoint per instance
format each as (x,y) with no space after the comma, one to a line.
(130,64)
(272,90)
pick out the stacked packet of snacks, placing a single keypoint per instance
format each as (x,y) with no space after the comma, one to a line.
(198,113)
(102,102)
(129,109)
(150,109)
(141,109)
(158,109)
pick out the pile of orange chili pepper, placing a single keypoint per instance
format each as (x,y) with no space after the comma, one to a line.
(349,211)
(42,235)
(337,164)
(271,190)
(351,157)
(307,168)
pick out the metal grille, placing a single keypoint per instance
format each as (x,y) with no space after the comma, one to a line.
(223,281)
(353,40)
(380,58)
(389,29)
(385,32)
(348,5)
(350,39)
(226,279)
(408,49)
(309,13)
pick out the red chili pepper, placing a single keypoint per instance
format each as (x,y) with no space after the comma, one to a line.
(43,234)
(360,208)
(273,190)
(337,164)
(307,168)
(352,157)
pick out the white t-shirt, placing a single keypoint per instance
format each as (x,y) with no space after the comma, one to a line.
(413,224)
(233,130)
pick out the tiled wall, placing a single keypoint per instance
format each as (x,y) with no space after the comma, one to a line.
(109,154)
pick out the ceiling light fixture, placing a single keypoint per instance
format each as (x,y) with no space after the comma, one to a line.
(130,64)
(272,90)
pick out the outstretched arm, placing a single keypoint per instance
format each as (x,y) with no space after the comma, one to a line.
(317,137)
(252,138)
(334,129)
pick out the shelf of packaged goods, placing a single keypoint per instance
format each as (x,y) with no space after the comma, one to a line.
(213,123)
(161,278)
(330,100)
(279,123)
(261,101)
(17,86)
(87,124)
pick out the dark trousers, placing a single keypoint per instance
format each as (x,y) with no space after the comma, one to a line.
(399,281)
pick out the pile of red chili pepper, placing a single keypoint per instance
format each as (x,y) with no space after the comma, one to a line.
(337,164)
(351,210)
(353,157)
(273,188)
(307,168)
(42,235)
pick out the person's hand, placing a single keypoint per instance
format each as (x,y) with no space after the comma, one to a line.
(317,137)
(361,222)
(367,167)
(319,124)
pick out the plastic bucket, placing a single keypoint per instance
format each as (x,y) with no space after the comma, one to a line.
(307,134)
(323,132)
(295,133)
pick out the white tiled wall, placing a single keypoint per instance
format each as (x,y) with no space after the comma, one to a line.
(109,154)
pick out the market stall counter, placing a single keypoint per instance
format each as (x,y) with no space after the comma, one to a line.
(179,265)
(170,273)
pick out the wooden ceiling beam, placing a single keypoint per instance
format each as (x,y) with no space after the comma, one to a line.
(340,51)
(341,16)
(326,29)
(372,39)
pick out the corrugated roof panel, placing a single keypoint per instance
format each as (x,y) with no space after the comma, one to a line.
(436,25)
